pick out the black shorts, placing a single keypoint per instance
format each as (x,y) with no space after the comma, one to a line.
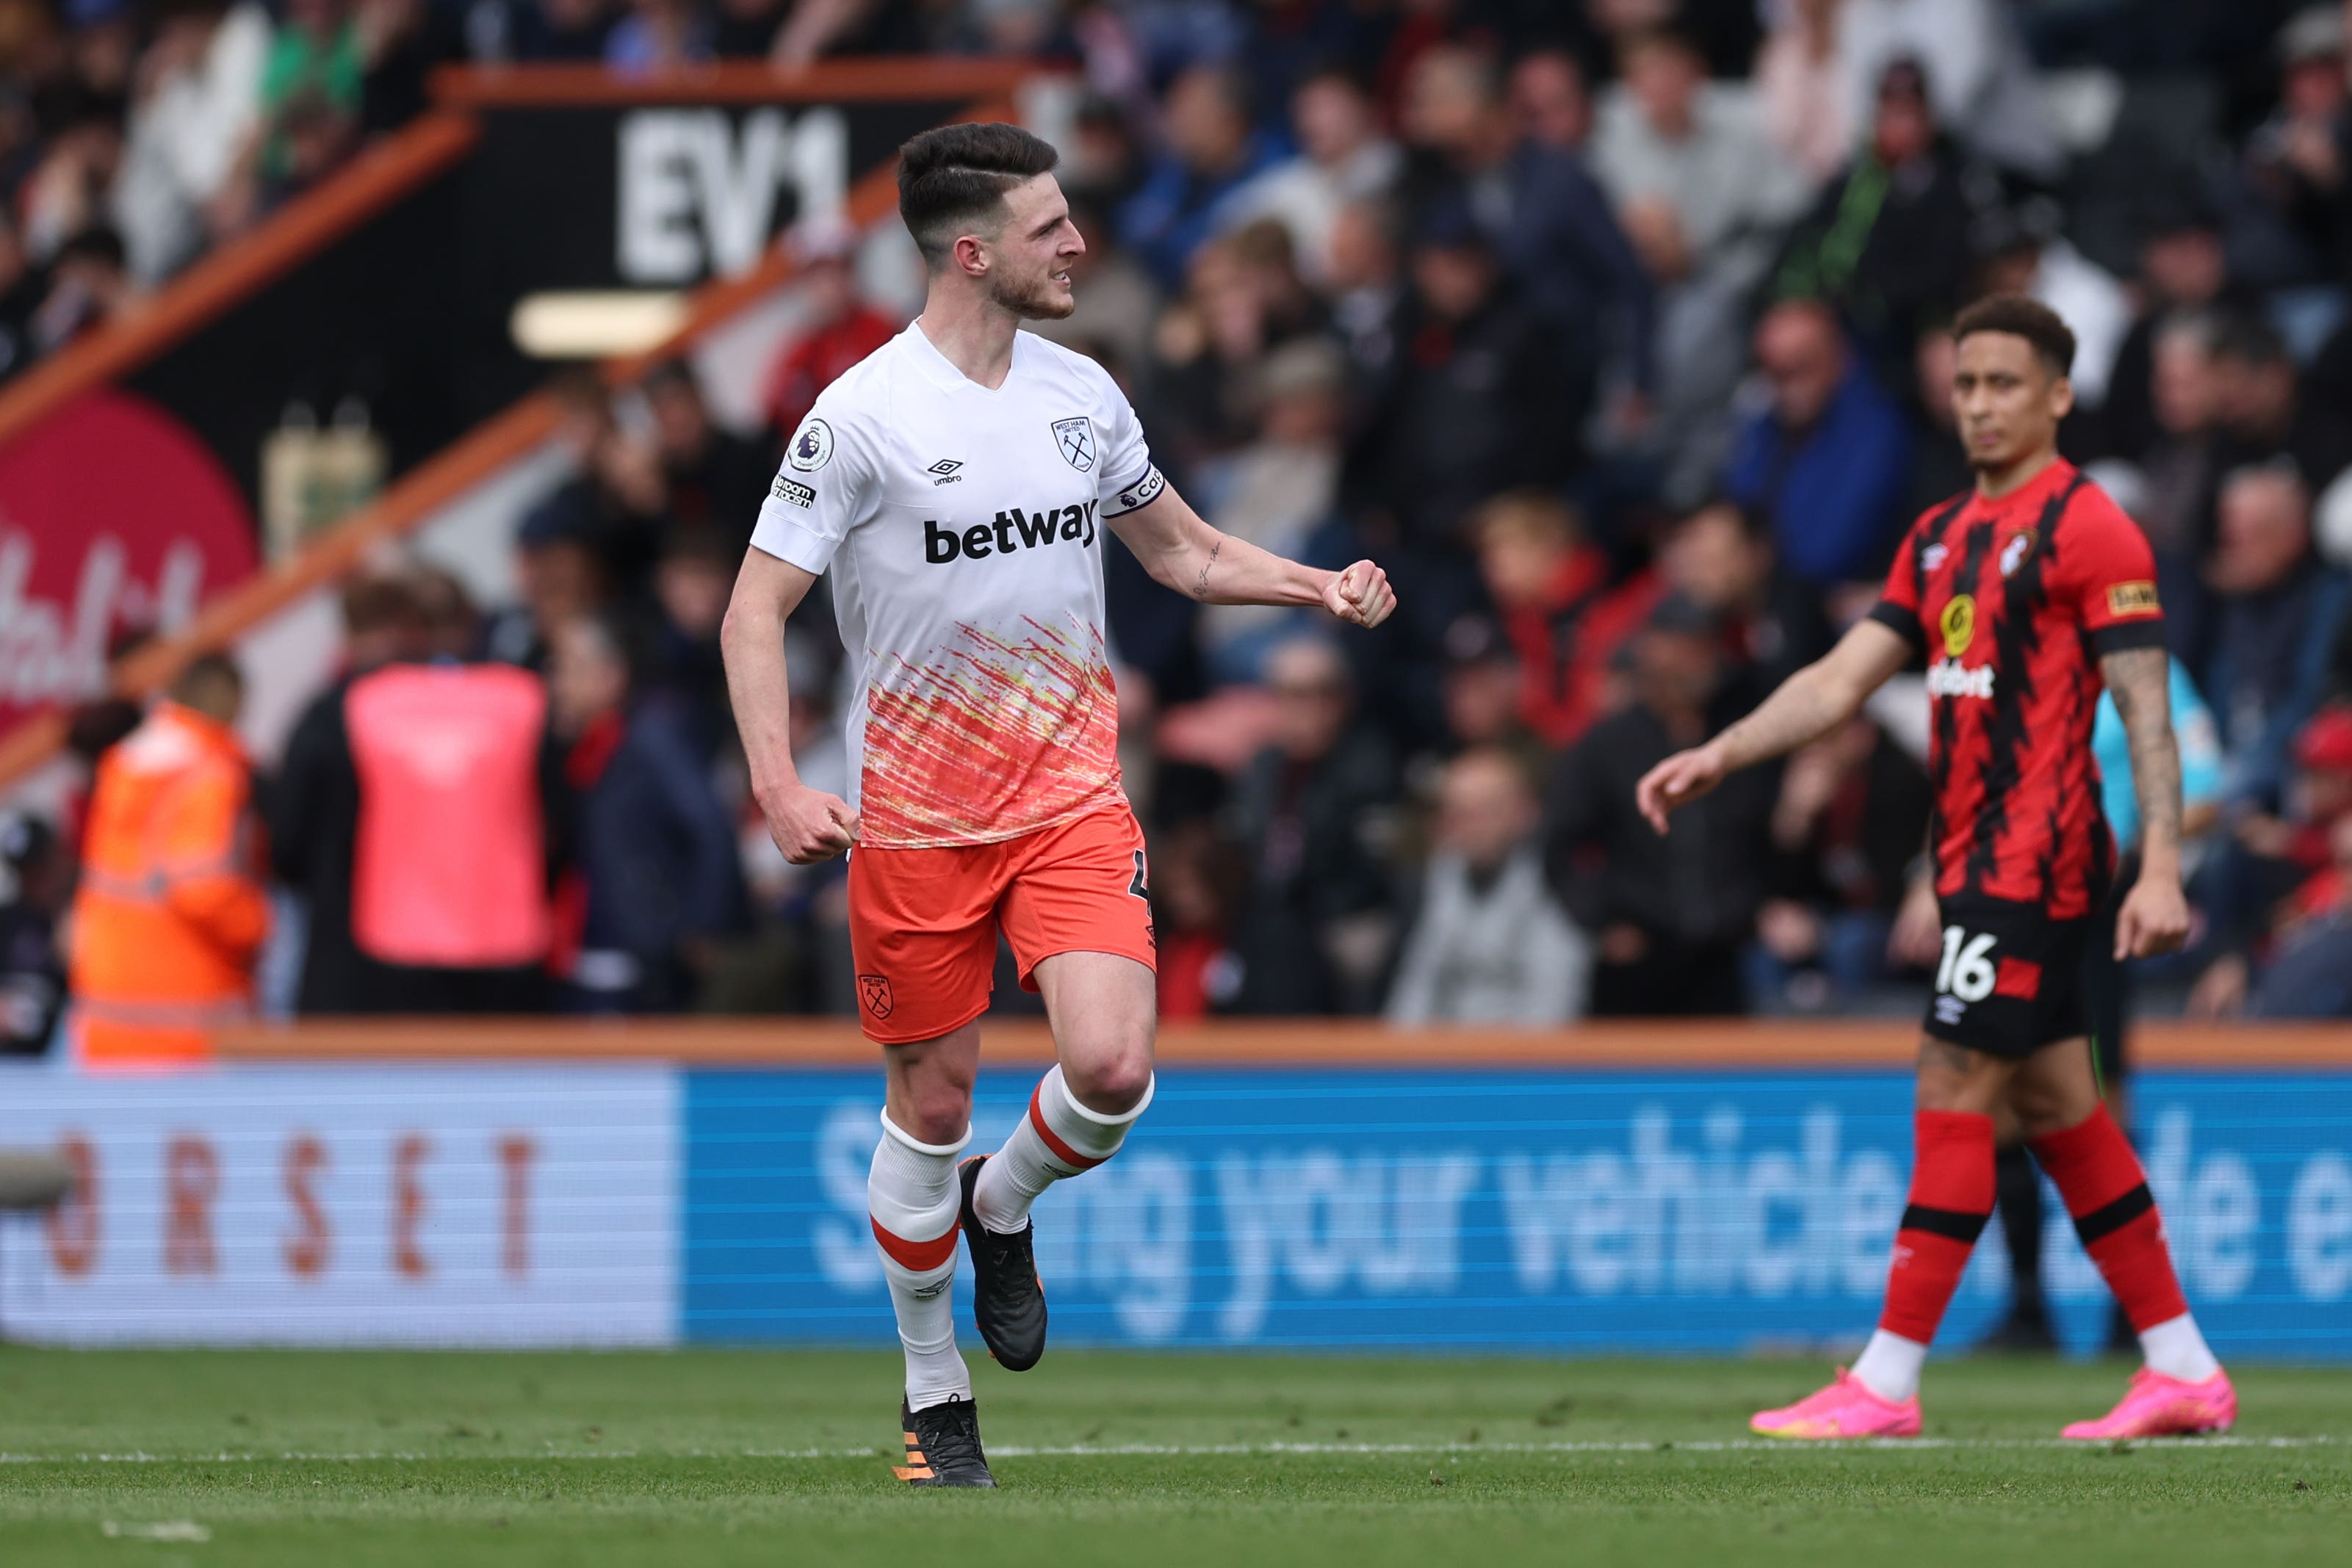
(2009,979)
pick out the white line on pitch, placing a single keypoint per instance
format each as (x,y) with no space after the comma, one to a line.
(1190,1450)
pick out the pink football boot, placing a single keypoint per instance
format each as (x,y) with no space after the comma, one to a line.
(1846,1409)
(2160,1406)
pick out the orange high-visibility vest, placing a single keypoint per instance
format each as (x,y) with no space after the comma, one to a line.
(170,914)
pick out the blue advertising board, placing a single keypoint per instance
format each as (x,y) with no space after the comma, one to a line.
(1556,1211)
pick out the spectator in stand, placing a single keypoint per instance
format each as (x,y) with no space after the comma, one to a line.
(656,883)
(2277,614)
(32,962)
(711,479)
(746,29)
(2262,411)
(1799,79)
(2183,269)
(836,329)
(1367,291)
(1199,886)
(1671,915)
(660,35)
(427,891)
(2177,476)
(1479,406)
(2300,159)
(170,917)
(1488,945)
(1314,812)
(1546,221)
(2024,253)
(1773,625)
(1822,464)
(1550,106)
(1940,466)
(2292,870)
(1703,195)
(560,573)
(1480,694)
(65,192)
(1985,86)
(499,30)
(1887,242)
(1279,493)
(1213,153)
(89,285)
(198,95)
(682,667)
(1565,616)
(1343,159)
(1851,815)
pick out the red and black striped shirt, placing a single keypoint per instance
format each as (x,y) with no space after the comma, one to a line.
(2013,601)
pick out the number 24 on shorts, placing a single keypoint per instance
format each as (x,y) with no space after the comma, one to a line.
(1968,970)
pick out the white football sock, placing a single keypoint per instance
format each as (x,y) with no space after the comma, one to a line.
(1057,1137)
(916,1203)
(2178,1349)
(1889,1365)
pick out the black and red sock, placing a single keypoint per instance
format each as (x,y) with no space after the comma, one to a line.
(1951,1199)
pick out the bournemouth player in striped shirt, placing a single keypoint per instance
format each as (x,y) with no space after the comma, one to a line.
(2024,596)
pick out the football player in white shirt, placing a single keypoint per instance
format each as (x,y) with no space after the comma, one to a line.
(957,483)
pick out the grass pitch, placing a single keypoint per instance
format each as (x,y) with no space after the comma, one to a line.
(179,1460)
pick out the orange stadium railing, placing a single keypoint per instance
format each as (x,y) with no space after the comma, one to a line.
(1840,1043)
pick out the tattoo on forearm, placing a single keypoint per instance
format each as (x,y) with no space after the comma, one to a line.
(1201,588)
(2140,680)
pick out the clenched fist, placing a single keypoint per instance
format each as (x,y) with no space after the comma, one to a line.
(810,825)
(1360,595)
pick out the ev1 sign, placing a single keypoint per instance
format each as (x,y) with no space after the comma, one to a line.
(700,189)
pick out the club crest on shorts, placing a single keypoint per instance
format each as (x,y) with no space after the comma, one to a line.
(1076,437)
(874,990)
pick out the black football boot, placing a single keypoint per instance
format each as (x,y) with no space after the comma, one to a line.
(943,1446)
(1007,1299)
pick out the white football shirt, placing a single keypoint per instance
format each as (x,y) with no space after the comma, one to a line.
(963,530)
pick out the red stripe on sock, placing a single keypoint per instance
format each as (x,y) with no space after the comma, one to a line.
(2093,1165)
(1062,1151)
(920,1255)
(1953,1170)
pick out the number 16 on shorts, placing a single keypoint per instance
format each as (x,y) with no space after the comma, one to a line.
(1968,973)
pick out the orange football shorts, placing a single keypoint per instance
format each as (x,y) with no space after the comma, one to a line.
(923,922)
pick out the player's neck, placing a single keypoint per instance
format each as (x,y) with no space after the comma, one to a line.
(1992,484)
(971,333)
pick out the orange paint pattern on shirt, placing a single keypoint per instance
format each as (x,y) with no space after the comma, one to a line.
(991,738)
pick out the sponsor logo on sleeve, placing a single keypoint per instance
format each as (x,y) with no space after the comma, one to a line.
(2132,599)
(1076,438)
(792,492)
(813,448)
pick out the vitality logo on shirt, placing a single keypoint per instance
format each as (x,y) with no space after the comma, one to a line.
(1013,530)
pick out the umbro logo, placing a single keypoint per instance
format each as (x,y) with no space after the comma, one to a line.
(945,468)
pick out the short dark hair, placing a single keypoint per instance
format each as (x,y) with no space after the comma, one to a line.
(956,175)
(2024,317)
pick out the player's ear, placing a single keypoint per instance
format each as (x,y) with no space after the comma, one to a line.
(970,256)
(2062,396)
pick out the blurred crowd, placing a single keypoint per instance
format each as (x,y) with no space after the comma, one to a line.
(1615,330)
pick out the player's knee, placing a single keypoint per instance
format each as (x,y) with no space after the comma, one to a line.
(1112,1080)
(2043,1108)
(939,1113)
